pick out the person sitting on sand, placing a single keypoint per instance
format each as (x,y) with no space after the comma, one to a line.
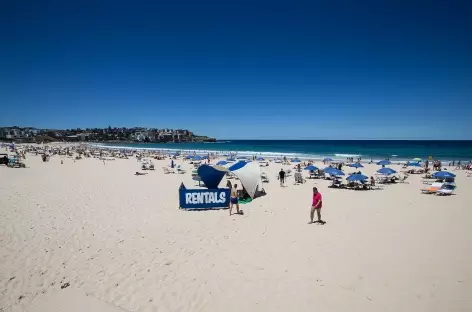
(316,205)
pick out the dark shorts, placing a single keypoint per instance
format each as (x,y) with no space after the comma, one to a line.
(234,200)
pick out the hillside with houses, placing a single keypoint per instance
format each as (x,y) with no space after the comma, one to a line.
(136,134)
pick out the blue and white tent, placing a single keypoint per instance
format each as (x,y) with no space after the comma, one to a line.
(248,173)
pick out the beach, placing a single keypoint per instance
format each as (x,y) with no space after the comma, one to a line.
(94,227)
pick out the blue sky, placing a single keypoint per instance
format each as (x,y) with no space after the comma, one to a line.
(241,69)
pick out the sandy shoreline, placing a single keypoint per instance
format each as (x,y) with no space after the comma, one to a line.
(121,239)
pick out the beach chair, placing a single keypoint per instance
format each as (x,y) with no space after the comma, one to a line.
(198,181)
(264,177)
(446,189)
(167,170)
(403,179)
(381,179)
(351,185)
(299,178)
(180,170)
(433,188)
(337,183)
(361,187)
(376,186)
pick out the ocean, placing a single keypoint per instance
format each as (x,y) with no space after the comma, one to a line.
(319,149)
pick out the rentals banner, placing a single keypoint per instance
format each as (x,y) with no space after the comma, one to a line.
(204,199)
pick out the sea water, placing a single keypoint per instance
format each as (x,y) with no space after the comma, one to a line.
(319,149)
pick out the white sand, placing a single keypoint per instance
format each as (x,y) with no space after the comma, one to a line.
(121,239)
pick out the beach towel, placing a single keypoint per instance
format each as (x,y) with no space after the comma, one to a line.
(245,200)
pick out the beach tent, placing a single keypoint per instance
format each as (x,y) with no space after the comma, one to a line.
(296,160)
(260,159)
(249,173)
(328,159)
(211,176)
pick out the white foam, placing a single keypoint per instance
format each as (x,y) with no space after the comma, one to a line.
(270,155)
(347,155)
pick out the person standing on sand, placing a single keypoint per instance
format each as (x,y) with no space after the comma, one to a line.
(316,205)
(282,177)
(234,199)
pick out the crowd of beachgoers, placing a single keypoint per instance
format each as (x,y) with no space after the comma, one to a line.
(106,222)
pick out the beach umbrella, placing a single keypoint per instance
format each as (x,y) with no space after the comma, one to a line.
(296,160)
(221,163)
(205,157)
(356,165)
(189,157)
(333,171)
(417,159)
(413,164)
(311,168)
(260,159)
(384,162)
(197,157)
(328,159)
(386,171)
(357,177)
(443,175)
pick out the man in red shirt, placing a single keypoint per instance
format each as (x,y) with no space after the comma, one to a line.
(316,205)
